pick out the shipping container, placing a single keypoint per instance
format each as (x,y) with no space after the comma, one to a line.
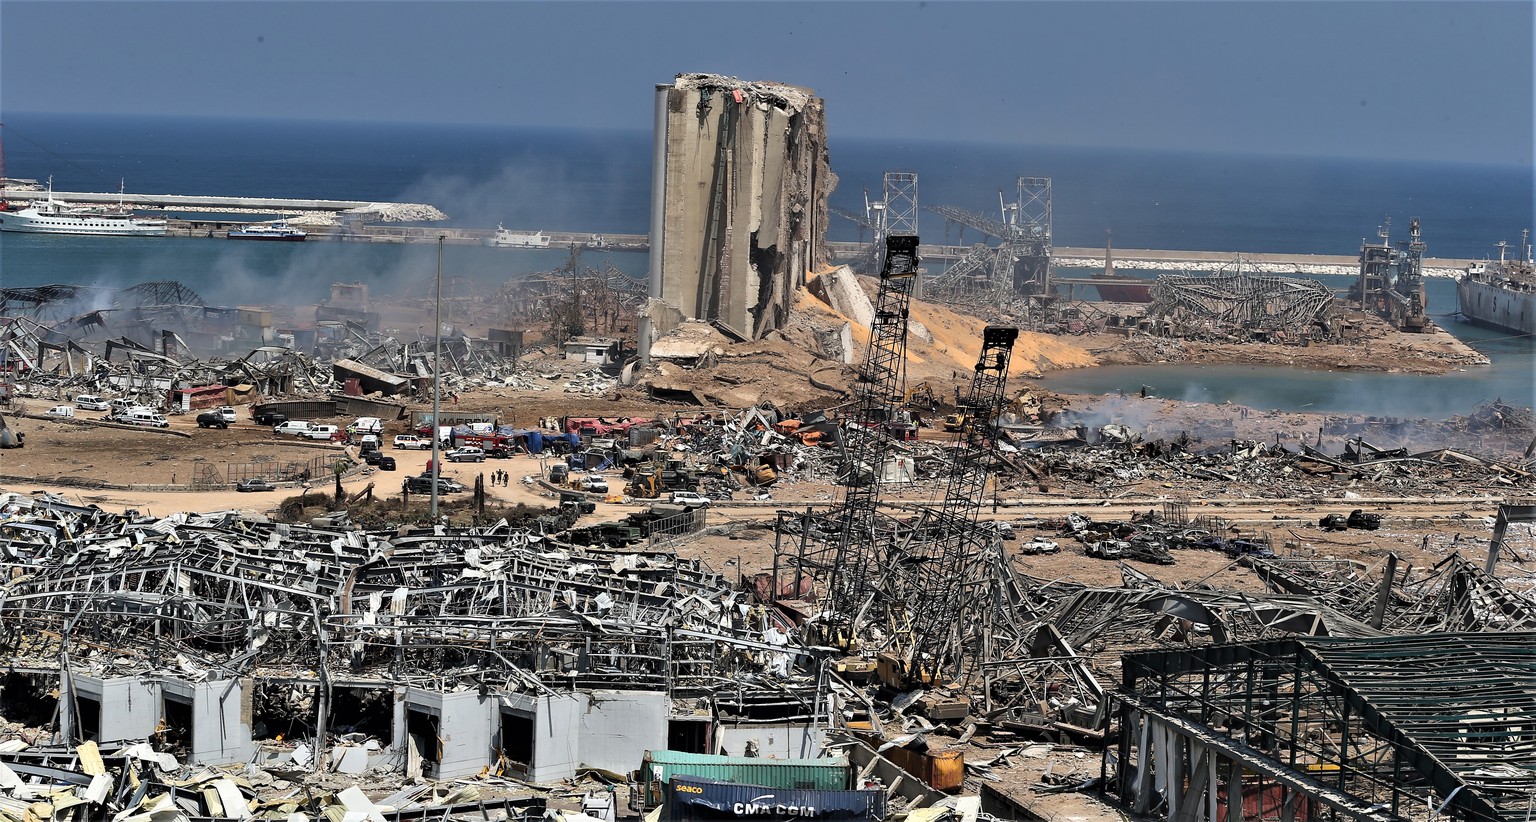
(825,774)
(694,799)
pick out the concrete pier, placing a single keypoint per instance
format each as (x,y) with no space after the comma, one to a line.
(1062,256)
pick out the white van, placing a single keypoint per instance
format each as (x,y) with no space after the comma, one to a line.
(320,432)
(366,425)
(151,418)
(293,428)
(91,402)
(122,405)
(61,411)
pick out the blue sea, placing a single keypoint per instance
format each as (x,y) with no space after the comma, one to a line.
(599,181)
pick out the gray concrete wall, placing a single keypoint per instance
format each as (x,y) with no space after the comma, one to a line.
(465,722)
(129,707)
(618,727)
(221,722)
(557,732)
(781,741)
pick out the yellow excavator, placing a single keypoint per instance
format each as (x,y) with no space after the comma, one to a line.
(958,421)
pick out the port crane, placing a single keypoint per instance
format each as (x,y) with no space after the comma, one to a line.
(1020,263)
(894,213)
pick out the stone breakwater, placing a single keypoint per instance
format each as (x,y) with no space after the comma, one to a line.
(1277,268)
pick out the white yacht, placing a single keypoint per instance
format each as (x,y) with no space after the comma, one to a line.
(52,216)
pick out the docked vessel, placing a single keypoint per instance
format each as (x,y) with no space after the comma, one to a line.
(1119,288)
(53,216)
(507,238)
(278,231)
(1501,294)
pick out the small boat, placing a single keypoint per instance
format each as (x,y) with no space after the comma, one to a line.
(507,238)
(53,216)
(279,231)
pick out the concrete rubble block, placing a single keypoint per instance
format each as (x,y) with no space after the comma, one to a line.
(840,289)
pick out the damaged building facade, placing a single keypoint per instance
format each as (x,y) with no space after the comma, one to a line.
(428,653)
(739,203)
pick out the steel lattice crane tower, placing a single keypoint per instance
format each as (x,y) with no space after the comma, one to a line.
(1021,264)
(866,443)
(894,213)
(938,591)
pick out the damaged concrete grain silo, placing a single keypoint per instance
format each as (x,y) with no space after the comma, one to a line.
(739,203)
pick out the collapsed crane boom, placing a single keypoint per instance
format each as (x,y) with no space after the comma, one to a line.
(939,591)
(867,445)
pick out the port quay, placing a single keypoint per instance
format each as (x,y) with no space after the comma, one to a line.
(362,231)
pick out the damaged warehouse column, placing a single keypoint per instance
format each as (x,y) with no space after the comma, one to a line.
(744,179)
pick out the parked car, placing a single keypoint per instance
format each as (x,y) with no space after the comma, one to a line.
(211,419)
(67,411)
(90,402)
(254,485)
(373,457)
(386,463)
(423,485)
(468,453)
(368,442)
(227,413)
(293,428)
(320,432)
(412,442)
(688,498)
(270,418)
(122,404)
(594,484)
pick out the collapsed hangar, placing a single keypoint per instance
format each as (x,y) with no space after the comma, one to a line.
(1364,728)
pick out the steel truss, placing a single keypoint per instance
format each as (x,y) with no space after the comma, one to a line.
(1366,727)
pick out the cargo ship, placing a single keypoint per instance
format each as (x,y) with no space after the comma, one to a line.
(1501,294)
(1119,288)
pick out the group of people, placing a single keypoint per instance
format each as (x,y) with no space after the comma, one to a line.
(500,477)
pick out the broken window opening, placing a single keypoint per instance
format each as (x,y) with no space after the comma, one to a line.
(688,736)
(423,731)
(87,718)
(175,732)
(369,711)
(283,711)
(517,746)
(28,699)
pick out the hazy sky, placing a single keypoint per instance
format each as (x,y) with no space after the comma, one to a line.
(1437,81)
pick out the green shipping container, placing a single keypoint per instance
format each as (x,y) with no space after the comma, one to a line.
(827,774)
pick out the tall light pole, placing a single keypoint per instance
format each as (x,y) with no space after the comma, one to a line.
(437,378)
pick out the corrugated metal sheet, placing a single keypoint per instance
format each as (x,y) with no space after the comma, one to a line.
(692,799)
(344,367)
